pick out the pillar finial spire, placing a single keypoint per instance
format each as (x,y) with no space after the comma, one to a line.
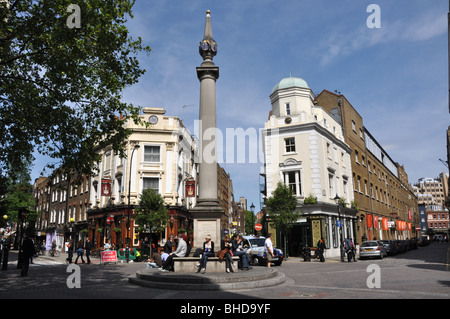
(208,46)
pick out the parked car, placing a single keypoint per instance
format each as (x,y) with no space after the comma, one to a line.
(423,241)
(257,251)
(412,243)
(438,238)
(372,248)
(401,246)
(406,243)
(391,247)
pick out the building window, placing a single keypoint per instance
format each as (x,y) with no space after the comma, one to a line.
(152,154)
(345,184)
(331,185)
(290,144)
(288,108)
(151,182)
(107,161)
(293,180)
(334,232)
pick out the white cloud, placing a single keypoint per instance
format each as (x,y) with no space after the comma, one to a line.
(344,43)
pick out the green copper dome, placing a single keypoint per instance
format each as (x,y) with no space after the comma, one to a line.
(290,82)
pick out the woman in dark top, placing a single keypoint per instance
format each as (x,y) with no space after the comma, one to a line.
(208,251)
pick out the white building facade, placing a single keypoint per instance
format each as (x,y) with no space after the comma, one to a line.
(304,148)
(160,156)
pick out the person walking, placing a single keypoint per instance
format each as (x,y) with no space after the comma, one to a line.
(321,249)
(28,252)
(208,251)
(348,248)
(6,242)
(88,248)
(53,247)
(69,251)
(268,247)
(80,252)
(354,250)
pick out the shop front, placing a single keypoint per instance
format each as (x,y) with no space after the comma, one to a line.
(320,221)
(116,224)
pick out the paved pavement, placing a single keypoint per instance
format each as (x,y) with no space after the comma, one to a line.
(417,274)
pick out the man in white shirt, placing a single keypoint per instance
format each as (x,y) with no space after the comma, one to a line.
(179,252)
(268,247)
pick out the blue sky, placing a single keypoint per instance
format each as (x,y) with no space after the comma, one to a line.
(395,76)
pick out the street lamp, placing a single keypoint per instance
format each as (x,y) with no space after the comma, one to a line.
(127,240)
(71,220)
(339,225)
(252,208)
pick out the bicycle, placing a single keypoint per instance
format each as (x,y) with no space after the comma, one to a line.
(96,253)
(53,253)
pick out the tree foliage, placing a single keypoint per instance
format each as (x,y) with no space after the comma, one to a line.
(151,213)
(281,206)
(60,87)
(249,221)
(19,195)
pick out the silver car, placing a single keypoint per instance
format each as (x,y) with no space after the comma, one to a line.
(372,248)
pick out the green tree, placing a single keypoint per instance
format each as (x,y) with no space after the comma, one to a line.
(152,213)
(249,222)
(18,196)
(281,210)
(60,85)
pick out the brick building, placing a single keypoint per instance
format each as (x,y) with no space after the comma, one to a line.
(385,199)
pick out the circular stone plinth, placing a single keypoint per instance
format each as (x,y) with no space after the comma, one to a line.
(255,278)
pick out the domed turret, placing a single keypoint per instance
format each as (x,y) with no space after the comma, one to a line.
(289,83)
(290,97)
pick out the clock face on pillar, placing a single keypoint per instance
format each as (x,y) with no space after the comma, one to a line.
(204,45)
(214,46)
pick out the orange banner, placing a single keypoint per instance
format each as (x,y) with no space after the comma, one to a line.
(385,224)
(369,221)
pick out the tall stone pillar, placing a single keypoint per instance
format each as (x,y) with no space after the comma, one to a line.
(207,213)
